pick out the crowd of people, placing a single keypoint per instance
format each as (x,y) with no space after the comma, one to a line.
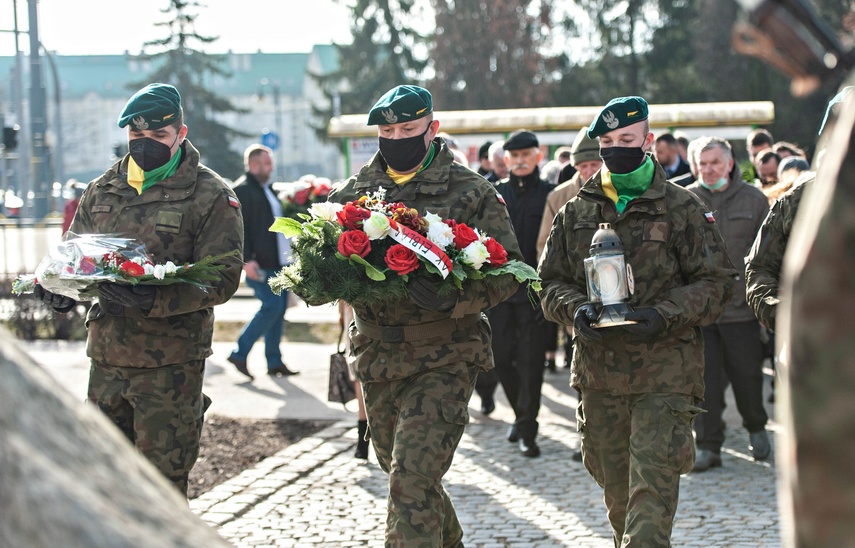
(705,255)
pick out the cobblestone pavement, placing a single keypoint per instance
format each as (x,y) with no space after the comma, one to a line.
(315,493)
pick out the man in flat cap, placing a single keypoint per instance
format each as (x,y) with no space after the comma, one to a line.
(148,344)
(521,335)
(641,383)
(417,384)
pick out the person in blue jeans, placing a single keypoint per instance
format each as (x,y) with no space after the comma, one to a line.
(264,253)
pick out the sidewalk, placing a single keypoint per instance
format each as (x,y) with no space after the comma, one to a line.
(315,493)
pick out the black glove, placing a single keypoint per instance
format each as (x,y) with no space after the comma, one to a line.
(131,296)
(582,319)
(650,323)
(60,303)
(424,293)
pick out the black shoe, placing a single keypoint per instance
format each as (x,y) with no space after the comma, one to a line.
(529,448)
(488,405)
(361,442)
(577,455)
(705,460)
(550,365)
(513,437)
(281,371)
(759,445)
(240,365)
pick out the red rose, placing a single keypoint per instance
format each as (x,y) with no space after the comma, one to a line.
(302,196)
(131,268)
(351,217)
(498,255)
(463,236)
(402,259)
(354,242)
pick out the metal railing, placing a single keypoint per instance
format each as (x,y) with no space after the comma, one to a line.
(25,242)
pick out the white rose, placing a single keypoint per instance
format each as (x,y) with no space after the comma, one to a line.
(433,218)
(376,226)
(160,272)
(170,267)
(475,255)
(325,210)
(440,234)
(148,268)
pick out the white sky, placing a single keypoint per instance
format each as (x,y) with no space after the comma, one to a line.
(98,27)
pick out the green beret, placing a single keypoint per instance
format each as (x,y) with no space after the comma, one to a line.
(153,107)
(401,104)
(619,112)
(584,148)
(520,139)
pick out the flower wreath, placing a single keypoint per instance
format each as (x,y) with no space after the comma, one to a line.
(364,252)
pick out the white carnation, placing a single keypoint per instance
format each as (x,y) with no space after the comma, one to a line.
(475,255)
(376,226)
(440,233)
(170,267)
(159,271)
(325,210)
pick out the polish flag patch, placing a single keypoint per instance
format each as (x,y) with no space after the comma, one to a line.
(709,216)
(501,200)
(234,202)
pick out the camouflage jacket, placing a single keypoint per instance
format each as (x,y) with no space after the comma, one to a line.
(739,212)
(681,268)
(451,191)
(764,261)
(183,219)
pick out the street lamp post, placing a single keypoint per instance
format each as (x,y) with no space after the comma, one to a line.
(277,122)
(38,122)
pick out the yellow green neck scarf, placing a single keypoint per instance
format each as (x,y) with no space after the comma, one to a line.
(621,188)
(401,179)
(140,180)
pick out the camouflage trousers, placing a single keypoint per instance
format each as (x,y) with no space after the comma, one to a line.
(416,424)
(635,447)
(159,409)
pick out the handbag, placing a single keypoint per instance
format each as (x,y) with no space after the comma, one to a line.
(341,388)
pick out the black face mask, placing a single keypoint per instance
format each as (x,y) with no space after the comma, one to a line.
(149,153)
(622,159)
(404,154)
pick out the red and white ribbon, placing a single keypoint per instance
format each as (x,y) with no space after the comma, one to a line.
(421,246)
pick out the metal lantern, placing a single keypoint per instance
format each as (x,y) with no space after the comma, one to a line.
(609,277)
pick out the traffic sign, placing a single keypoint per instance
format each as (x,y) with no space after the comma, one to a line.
(270,139)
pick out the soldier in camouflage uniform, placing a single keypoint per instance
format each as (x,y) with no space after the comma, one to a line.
(148,344)
(815,326)
(764,261)
(641,384)
(417,378)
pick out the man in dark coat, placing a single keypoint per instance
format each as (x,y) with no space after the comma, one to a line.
(520,333)
(264,254)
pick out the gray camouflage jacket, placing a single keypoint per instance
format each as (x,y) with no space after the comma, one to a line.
(181,219)
(681,268)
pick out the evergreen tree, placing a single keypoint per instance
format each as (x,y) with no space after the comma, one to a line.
(381,56)
(191,70)
(490,54)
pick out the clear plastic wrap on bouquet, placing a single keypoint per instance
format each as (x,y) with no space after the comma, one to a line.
(76,266)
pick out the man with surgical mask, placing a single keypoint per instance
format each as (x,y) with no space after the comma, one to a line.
(148,344)
(733,351)
(641,383)
(418,356)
